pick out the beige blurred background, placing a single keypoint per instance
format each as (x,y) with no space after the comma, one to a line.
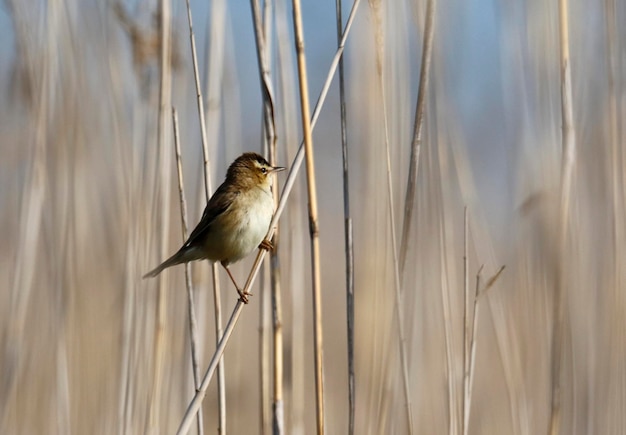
(89,203)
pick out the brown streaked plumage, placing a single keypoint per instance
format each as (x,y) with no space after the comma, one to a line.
(235,220)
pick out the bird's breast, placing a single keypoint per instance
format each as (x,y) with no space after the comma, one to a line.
(249,222)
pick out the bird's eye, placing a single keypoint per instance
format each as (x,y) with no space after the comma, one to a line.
(264,170)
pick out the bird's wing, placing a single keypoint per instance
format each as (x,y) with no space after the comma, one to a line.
(219,203)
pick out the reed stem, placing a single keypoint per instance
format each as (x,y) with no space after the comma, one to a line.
(313,218)
(217,300)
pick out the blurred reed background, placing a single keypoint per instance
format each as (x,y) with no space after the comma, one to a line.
(89,203)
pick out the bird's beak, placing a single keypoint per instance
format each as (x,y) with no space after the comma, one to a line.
(278,169)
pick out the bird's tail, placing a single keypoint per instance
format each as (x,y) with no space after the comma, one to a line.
(184,255)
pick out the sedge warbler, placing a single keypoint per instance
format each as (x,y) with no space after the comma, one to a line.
(235,220)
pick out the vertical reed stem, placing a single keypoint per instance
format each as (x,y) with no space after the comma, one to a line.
(163,133)
(466,325)
(191,307)
(349,246)
(313,217)
(567,167)
(264,355)
(217,300)
(263,54)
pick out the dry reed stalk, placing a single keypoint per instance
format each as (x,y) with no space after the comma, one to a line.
(348,233)
(613,135)
(163,137)
(567,167)
(124,413)
(215,47)
(313,217)
(262,34)
(196,402)
(268,412)
(503,328)
(277,321)
(473,340)
(398,300)
(416,145)
(265,407)
(278,423)
(200,105)
(191,307)
(267,91)
(467,333)
(31,214)
(472,356)
(441,186)
(264,353)
(277,328)
(286,105)
(217,302)
(617,300)
(453,424)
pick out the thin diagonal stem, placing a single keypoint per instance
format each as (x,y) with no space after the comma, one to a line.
(194,406)
(416,145)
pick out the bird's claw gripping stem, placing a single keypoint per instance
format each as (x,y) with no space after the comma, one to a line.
(267,245)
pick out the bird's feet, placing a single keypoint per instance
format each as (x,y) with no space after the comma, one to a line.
(243,296)
(267,245)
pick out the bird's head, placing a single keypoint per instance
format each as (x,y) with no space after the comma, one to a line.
(251,169)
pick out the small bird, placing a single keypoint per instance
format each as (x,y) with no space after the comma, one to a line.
(235,220)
